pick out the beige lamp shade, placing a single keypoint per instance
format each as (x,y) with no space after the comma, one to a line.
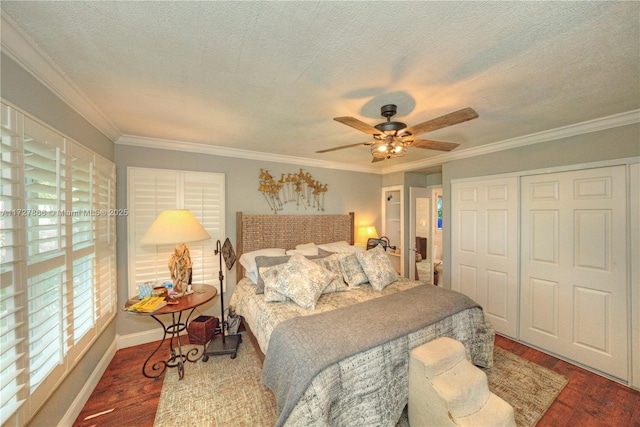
(173,227)
(366,233)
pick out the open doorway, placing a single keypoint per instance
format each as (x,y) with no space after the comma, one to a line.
(419,234)
(436,236)
(425,234)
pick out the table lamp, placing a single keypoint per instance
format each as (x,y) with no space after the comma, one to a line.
(366,233)
(177,227)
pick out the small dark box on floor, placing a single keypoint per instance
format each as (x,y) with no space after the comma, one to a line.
(201,329)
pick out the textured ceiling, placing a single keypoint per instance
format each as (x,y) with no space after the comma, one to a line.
(270,76)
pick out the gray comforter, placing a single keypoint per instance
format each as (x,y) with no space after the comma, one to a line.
(302,347)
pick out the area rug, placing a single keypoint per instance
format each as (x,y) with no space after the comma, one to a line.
(225,391)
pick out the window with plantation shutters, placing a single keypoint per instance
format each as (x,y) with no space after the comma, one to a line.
(13,342)
(153,190)
(57,259)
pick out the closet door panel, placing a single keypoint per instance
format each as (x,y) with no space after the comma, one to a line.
(634,233)
(484,247)
(574,266)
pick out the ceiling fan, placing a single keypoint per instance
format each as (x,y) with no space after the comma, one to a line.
(391,139)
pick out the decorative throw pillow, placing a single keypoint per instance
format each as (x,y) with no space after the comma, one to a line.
(267,261)
(270,275)
(352,271)
(332,263)
(248,261)
(377,267)
(300,280)
(271,295)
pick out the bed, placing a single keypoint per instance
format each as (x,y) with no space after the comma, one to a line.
(345,361)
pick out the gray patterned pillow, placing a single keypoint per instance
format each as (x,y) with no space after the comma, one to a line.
(377,267)
(352,271)
(269,261)
(332,263)
(270,274)
(300,280)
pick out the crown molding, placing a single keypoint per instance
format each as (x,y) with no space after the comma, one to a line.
(595,125)
(214,150)
(24,51)
(622,119)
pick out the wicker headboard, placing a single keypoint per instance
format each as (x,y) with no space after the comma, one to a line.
(255,232)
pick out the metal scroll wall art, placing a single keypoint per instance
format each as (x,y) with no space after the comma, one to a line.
(299,187)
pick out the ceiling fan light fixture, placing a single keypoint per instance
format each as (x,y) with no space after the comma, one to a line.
(381,147)
(392,139)
(385,150)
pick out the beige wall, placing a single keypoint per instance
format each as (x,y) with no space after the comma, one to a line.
(26,93)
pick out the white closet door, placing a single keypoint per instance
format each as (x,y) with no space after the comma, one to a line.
(484,248)
(634,194)
(574,266)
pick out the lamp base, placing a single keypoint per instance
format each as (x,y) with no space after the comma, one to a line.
(216,347)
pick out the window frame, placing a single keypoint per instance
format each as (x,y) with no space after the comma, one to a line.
(31,144)
(150,191)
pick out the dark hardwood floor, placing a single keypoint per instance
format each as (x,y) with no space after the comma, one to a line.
(587,400)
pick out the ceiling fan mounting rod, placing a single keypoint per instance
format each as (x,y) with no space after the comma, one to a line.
(389,127)
(388,111)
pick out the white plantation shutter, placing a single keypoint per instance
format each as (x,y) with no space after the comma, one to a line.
(44,192)
(54,269)
(45,195)
(104,199)
(80,305)
(204,196)
(152,191)
(13,344)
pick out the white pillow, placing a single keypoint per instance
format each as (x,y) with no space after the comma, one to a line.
(341,246)
(306,246)
(311,251)
(339,243)
(248,261)
(377,267)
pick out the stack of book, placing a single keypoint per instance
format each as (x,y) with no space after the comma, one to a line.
(148,305)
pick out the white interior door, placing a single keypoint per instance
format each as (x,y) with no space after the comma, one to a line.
(484,247)
(634,194)
(574,266)
(419,226)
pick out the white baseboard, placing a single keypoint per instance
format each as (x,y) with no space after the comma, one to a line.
(131,340)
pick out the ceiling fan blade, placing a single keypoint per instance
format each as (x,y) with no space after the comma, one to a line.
(450,119)
(434,145)
(345,146)
(376,160)
(357,124)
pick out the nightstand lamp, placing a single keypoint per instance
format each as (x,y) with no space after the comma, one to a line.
(366,233)
(177,227)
